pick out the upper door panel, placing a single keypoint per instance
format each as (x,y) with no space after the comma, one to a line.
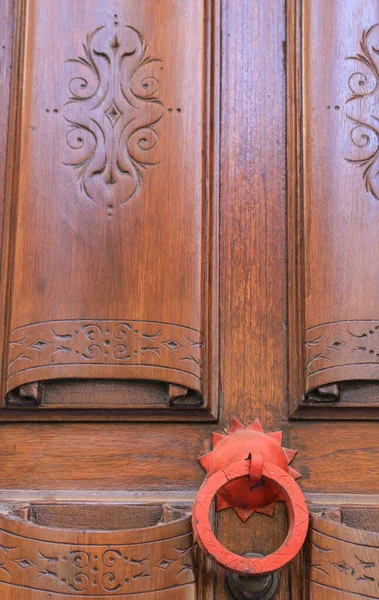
(333,201)
(110,261)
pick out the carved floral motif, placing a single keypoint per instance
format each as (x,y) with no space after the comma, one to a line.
(364,132)
(93,570)
(81,342)
(112,112)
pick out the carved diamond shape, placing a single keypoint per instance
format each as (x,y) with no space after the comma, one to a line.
(24,563)
(172,345)
(337,344)
(39,345)
(164,563)
(113,113)
(342,567)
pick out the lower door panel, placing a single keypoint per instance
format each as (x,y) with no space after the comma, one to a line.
(152,560)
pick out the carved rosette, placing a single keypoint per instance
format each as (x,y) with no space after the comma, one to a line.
(119,349)
(342,350)
(112,112)
(163,561)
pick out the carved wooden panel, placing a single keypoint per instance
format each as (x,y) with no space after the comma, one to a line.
(112,114)
(110,259)
(343,561)
(333,121)
(42,562)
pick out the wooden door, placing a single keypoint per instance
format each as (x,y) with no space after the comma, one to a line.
(190,218)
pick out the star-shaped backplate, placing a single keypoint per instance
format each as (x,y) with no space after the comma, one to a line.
(240,443)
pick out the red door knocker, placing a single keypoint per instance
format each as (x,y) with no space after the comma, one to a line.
(249,471)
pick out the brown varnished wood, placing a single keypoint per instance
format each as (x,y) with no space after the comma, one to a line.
(121,457)
(342,561)
(331,459)
(98,194)
(295,214)
(153,561)
(335,459)
(298,243)
(333,202)
(253,286)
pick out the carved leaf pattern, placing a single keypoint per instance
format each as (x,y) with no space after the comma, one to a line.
(349,566)
(105,343)
(364,133)
(341,344)
(112,112)
(93,570)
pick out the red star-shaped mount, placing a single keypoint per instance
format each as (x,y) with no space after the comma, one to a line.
(241,443)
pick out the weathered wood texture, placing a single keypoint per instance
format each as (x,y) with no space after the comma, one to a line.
(111,220)
(342,561)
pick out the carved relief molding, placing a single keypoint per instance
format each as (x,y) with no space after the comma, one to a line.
(341,346)
(343,559)
(364,132)
(333,128)
(112,111)
(95,569)
(122,343)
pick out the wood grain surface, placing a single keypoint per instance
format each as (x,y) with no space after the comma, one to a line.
(179,174)
(38,562)
(253,243)
(342,561)
(111,222)
(333,198)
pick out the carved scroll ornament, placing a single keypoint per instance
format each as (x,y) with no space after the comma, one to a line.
(364,132)
(105,343)
(74,564)
(112,112)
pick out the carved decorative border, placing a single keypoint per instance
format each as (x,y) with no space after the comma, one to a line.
(342,558)
(103,342)
(341,344)
(97,570)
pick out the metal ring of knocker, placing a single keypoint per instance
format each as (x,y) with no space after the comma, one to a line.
(248,485)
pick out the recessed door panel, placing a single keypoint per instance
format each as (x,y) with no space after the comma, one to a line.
(333,200)
(111,216)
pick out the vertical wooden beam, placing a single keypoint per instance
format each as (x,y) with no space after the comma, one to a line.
(253,240)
